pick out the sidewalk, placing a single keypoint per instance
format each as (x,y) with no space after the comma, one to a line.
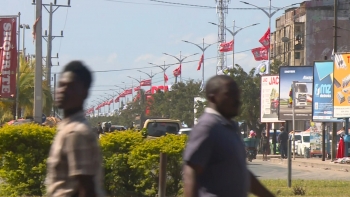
(309,162)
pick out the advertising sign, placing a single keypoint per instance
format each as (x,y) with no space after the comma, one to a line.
(341,85)
(301,77)
(269,98)
(322,100)
(8,57)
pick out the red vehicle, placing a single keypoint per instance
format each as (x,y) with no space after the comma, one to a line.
(275,106)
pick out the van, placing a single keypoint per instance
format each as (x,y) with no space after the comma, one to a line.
(161,127)
(304,143)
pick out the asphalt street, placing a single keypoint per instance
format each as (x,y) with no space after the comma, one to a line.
(267,170)
(285,110)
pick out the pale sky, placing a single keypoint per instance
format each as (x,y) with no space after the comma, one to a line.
(113,35)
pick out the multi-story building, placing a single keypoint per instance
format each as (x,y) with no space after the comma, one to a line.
(305,34)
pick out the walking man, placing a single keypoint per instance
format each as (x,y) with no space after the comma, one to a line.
(74,163)
(283,140)
(214,158)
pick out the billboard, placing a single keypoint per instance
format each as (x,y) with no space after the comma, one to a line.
(301,77)
(322,98)
(341,85)
(8,57)
(269,98)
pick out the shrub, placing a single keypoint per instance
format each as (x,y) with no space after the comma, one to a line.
(23,151)
(144,159)
(116,148)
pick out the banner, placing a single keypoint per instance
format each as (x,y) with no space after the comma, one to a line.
(226,46)
(263,67)
(260,53)
(8,57)
(301,77)
(269,98)
(265,39)
(341,85)
(322,97)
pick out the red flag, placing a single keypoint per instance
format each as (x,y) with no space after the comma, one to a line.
(166,78)
(117,99)
(128,91)
(34,28)
(177,71)
(110,102)
(226,46)
(8,57)
(122,95)
(260,53)
(137,88)
(148,92)
(147,82)
(200,62)
(265,39)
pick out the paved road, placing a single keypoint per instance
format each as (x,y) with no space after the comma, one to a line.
(285,109)
(267,170)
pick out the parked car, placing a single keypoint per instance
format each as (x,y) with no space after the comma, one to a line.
(117,128)
(185,131)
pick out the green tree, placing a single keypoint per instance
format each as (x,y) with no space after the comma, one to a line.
(26,93)
(178,103)
(275,66)
(249,84)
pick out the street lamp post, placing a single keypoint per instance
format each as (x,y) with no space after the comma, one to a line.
(233,33)
(149,75)
(24,26)
(164,68)
(180,60)
(269,15)
(122,89)
(203,50)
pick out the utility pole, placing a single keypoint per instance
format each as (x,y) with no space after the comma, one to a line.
(17,70)
(38,108)
(48,37)
(335,40)
(54,94)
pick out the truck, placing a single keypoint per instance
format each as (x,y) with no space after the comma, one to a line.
(161,127)
(300,95)
(141,119)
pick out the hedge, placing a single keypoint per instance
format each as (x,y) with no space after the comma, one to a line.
(131,162)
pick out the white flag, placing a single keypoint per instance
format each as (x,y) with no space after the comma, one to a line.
(263,67)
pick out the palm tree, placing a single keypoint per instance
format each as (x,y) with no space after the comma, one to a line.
(26,92)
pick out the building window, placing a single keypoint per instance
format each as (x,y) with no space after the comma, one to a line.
(297,55)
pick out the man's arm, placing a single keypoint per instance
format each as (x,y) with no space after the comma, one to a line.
(81,153)
(257,188)
(197,153)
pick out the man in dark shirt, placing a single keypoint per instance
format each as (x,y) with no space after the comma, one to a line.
(214,158)
(283,140)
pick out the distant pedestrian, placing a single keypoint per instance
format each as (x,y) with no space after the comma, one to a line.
(283,141)
(74,166)
(214,158)
(265,145)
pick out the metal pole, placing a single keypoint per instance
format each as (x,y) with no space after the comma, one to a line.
(335,39)
(233,48)
(346,152)
(289,164)
(163,76)
(18,65)
(23,45)
(293,108)
(162,175)
(54,94)
(268,49)
(49,48)
(180,68)
(203,63)
(323,141)
(38,109)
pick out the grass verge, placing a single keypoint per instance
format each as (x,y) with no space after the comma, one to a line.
(311,187)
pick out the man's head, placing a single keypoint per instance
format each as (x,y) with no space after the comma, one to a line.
(281,128)
(223,95)
(73,86)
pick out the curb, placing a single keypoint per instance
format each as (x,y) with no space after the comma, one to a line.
(327,165)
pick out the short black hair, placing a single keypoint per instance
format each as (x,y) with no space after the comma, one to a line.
(81,71)
(214,84)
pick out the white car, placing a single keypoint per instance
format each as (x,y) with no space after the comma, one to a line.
(185,131)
